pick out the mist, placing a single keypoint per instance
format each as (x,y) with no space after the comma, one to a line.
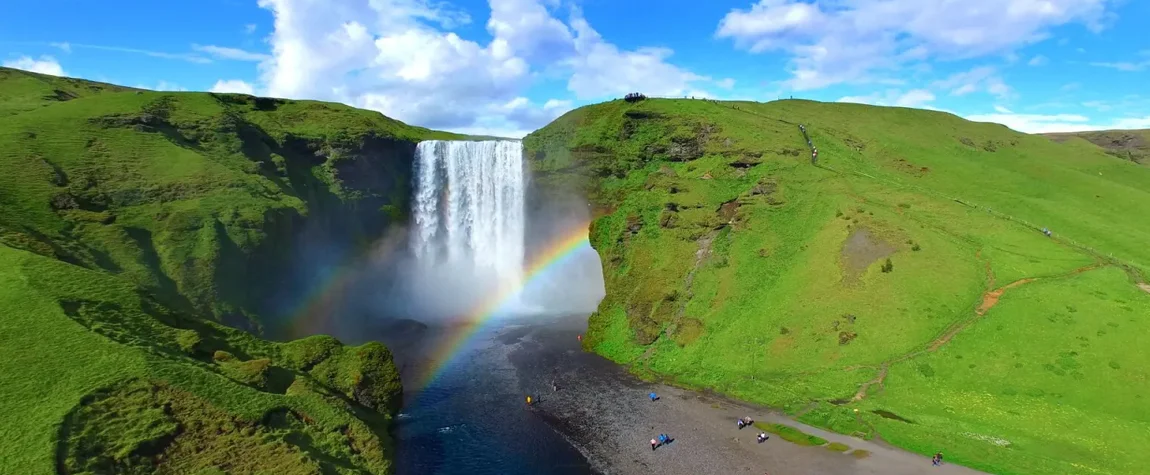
(421,275)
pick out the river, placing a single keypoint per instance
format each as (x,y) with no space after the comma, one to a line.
(472,417)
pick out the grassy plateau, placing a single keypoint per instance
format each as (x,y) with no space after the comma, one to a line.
(135,227)
(900,288)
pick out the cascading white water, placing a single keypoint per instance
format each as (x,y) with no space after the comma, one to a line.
(469,212)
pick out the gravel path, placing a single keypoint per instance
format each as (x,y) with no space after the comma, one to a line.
(606,414)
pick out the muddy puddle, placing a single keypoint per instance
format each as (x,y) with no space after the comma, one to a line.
(861,249)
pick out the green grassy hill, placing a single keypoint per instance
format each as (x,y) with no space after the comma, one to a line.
(132,224)
(1133,145)
(902,288)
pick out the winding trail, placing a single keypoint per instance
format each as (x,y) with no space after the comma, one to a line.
(990,298)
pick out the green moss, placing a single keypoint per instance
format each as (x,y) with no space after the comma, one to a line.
(837,447)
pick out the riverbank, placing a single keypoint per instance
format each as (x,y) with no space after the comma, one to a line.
(606,414)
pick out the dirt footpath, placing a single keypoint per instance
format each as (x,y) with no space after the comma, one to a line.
(607,415)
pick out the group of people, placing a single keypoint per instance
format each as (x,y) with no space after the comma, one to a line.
(814,150)
(747,421)
(659,441)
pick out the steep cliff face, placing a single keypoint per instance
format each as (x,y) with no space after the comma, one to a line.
(137,228)
(857,294)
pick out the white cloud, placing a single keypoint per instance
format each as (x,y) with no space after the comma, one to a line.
(982,78)
(853,41)
(1052,123)
(1038,61)
(162,86)
(1127,66)
(44,65)
(1002,110)
(234,86)
(919,98)
(250,28)
(401,58)
(601,69)
(192,58)
(1099,105)
(914,98)
(1035,123)
(725,83)
(236,54)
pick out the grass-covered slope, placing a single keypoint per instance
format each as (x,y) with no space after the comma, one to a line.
(1133,145)
(194,196)
(902,288)
(131,224)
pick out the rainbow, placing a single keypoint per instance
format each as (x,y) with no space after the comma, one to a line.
(313,316)
(550,257)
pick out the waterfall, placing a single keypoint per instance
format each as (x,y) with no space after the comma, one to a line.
(469,212)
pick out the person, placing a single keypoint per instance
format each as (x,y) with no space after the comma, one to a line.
(654,444)
(763,437)
(937,461)
(741,423)
(554,386)
(663,439)
(528,400)
(653,396)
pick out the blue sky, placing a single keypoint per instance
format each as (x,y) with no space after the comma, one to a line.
(509,66)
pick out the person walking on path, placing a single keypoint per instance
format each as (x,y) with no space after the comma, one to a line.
(654,445)
(937,460)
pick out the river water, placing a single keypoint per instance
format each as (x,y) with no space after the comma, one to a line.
(473,419)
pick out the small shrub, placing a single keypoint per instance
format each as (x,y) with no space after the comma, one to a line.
(904,205)
(251,372)
(845,337)
(188,340)
(887,266)
(221,356)
(916,247)
(838,214)
(838,447)
(1115,365)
